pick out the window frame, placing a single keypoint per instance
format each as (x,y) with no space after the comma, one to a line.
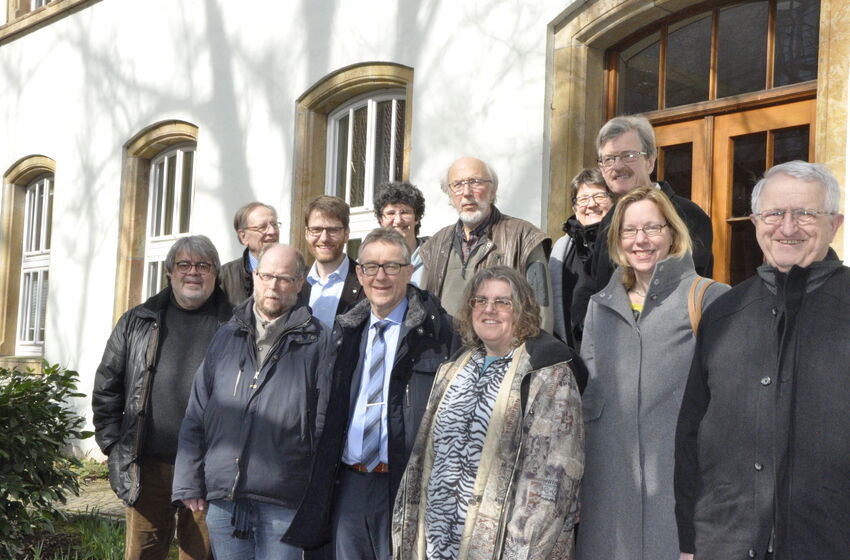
(35,263)
(361,217)
(157,246)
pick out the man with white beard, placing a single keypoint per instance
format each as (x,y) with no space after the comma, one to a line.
(483,237)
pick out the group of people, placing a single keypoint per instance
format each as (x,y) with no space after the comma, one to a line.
(483,394)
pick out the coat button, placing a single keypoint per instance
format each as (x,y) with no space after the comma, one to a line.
(759,467)
(653,297)
(656,281)
(773,312)
(765,380)
(751,553)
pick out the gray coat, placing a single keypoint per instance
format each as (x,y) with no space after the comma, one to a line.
(638,370)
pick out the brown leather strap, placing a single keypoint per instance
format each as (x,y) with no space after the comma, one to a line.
(695,297)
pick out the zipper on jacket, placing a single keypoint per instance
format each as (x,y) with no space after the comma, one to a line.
(500,535)
(143,397)
(235,482)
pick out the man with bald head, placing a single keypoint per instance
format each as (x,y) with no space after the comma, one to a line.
(255,413)
(483,237)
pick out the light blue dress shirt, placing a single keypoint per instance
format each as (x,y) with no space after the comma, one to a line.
(252,261)
(324,297)
(354,445)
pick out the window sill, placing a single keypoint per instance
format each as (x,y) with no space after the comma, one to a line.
(22,363)
(40,17)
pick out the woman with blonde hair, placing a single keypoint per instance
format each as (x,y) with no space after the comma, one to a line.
(498,459)
(638,344)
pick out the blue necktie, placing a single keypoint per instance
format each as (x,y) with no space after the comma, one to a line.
(370,454)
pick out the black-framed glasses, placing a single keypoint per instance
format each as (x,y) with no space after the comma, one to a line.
(801,216)
(332,231)
(499,303)
(629,156)
(474,183)
(262,229)
(266,277)
(183,267)
(652,230)
(595,198)
(390,268)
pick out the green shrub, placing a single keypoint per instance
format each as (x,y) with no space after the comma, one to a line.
(36,425)
(89,469)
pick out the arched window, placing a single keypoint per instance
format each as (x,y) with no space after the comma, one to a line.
(169,209)
(365,149)
(35,266)
(156,207)
(352,133)
(25,257)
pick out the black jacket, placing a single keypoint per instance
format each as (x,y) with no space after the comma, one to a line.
(699,226)
(763,442)
(121,393)
(352,291)
(254,436)
(427,340)
(236,279)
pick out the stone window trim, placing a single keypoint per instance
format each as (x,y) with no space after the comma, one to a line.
(15,182)
(21,20)
(139,151)
(311,123)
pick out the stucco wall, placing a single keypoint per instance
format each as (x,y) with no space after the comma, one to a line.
(77,89)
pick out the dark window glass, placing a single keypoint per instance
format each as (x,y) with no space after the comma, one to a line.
(746,253)
(677,167)
(638,77)
(358,157)
(790,144)
(399,140)
(748,164)
(688,61)
(383,140)
(796,51)
(741,49)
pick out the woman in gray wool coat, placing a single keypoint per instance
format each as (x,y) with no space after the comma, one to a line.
(638,344)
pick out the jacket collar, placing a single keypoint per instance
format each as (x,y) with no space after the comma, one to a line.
(815,274)
(299,315)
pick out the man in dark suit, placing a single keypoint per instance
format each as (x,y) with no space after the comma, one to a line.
(332,286)
(390,346)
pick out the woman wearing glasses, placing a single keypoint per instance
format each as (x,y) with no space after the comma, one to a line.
(569,264)
(638,344)
(497,462)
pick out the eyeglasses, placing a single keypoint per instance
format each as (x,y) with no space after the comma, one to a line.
(265,277)
(499,303)
(629,156)
(801,216)
(475,184)
(183,267)
(390,268)
(597,198)
(403,214)
(332,231)
(262,229)
(652,230)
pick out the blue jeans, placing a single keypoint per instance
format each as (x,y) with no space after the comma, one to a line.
(267,525)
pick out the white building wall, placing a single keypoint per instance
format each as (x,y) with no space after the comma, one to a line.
(77,89)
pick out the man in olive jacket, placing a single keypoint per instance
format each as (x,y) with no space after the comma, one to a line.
(140,393)
(762,452)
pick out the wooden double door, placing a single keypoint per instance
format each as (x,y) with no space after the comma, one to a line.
(715,160)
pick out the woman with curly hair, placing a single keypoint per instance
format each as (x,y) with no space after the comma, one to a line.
(499,455)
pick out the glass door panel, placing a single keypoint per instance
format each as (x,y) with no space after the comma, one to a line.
(745,145)
(683,159)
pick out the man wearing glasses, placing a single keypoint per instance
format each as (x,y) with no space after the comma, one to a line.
(140,393)
(255,413)
(391,346)
(332,286)
(257,227)
(762,457)
(627,153)
(483,237)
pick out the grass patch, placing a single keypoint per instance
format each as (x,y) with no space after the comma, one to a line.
(82,536)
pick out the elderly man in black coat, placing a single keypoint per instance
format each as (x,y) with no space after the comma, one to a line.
(763,443)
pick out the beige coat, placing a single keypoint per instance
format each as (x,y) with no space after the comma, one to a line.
(524,499)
